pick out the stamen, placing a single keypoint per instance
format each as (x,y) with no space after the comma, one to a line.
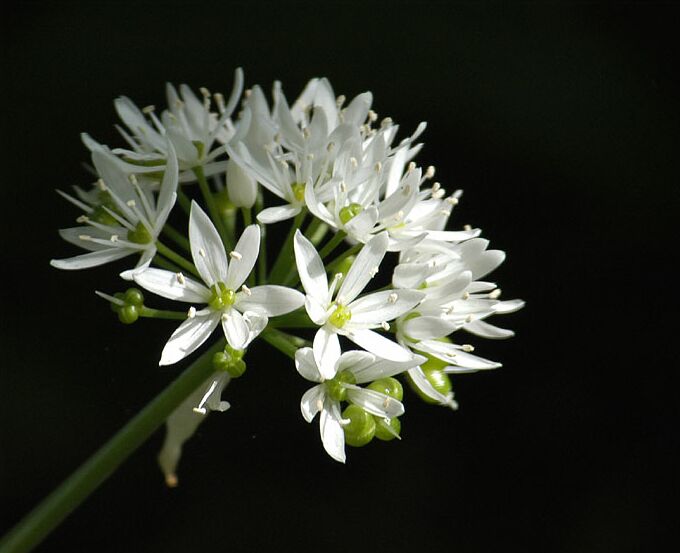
(180,279)
(305,133)
(83,219)
(330,147)
(438,194)
(429,173)
(114,238)
(247,92)
(411,166)
(247,291)
(101,185)
(495,294)
(201,252)
(468,348)
(235,255)
(468,319)
(225,317)
(192,312)
(205,92)
(219,100)
(319,404)
(353,162)
(131,203)
(385,326)
(148,110)
(133,179)
(372,115)
(340,100)
(386,122)
(445,212)
(436,186)
(467,227)
(452,200)
(392,298)
(373,272)
(466,295)
(386,402)
(343,186)
(84,237)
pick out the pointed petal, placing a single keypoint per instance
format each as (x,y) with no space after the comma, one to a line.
(375,403)
(247,247)
(310,268)
(235,329)
(188,337)
(326,351)
(363,268)
(306,365)
(310,402)
(387,305)
(423,384)
(486,330)
(332,434)
(383,367)
(277,213)
(170,285)
(379,345)
(92,259)
(167,194)
(206,247)
(270,299)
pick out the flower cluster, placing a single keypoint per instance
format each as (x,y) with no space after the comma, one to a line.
(369,278)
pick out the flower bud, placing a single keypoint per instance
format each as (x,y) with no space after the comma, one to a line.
(241,187)
(361,427)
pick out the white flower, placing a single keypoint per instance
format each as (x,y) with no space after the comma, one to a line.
(243,313)
(127,222)
(351,368)
(188,123)
(184,420)
(347,315)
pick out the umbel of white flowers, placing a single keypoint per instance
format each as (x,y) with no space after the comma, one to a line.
(369,261)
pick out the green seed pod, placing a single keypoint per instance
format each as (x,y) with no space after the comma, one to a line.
(236,368)
(134,296)
(388,386)
(221,361)
(387,432)
(361,427)
(140,235)
(114,306)
(350,211)
(335,388)
(438,378)
(128,314)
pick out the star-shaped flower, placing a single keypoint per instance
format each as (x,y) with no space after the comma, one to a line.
(346,314)
(242,311)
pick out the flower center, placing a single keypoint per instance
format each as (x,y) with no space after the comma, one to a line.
(335,387)
(350,211)
(298,191)
(140,235)
(340,316)
(221,296)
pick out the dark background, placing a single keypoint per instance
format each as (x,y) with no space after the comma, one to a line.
(560,121)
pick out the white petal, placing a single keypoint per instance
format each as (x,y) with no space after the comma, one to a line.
(427,328)
(332,434)
(315,310)
(248,248)
(326,351)
(452,354)
(508,306)
(270,299)
(306,365)
(382,368)
(188,337)
(92,259)
(354,361)
(309,404)
(168,190)
(379,345)
(423,384)
(387,305)
(206,247)
(278,213)
(374,402)
(310,268)
(235,329)
(486,330)
(363,268)
(170,285)
(241,187)
(256,322)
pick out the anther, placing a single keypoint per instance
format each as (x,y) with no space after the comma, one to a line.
(468,319)
(305,132)
(372,115)
(180,279)
(200,410)
(445,212)
(385,325)
(452,200)
(219,100)
(468,348)
(133,179)
(148,110)
(84,237)
(436,186)
(83,219)
(247,291)
(373,272)
(411,166)
(466,295)
(429,173)
(192,312)
(340,100)
(495,294)
(386,122)
(205,92)
(353,162)
(235,255)
(101,185)
(201,252)
(343,186)
(386,402)
(131,203)
(247,92)
(225,317)
(330,147)
(392,298)
(319,405)
(467,227)
(114,238)
(438,194)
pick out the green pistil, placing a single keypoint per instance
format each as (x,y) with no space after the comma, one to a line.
(350,211)
(100,215)
(298,191)
(340,316)
(230,360)
(140,235)
(200,148)
(335,387)
(221,296)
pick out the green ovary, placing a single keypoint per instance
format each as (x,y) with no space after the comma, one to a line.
(335,387)
(140,235)
(298,191)
(221,296)
(340,316)
(350,211)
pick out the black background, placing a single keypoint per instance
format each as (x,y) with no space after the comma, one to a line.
(560,122)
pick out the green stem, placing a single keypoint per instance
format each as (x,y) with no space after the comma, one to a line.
(165,264)
(30,531)
(177,237)
(316,231)
(177,259)
(183,200)
(296,319)
(332,244)
(283,261)
(285,343)
(333,264)
(162,314)
(212,206)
